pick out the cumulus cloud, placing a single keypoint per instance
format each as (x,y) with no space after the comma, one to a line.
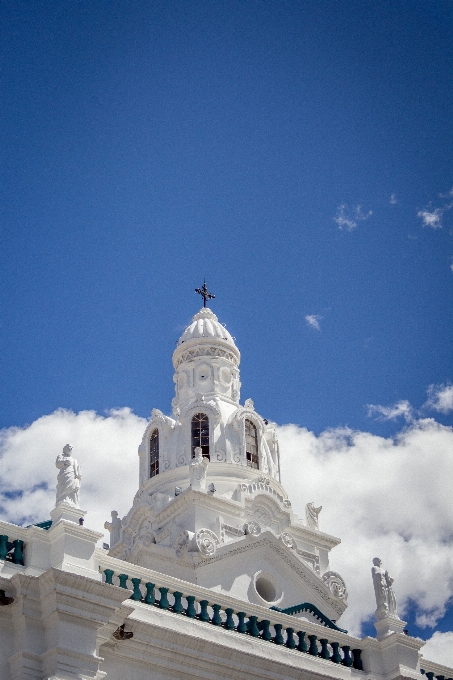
(401,408)
(385,497)
(105,446)
(439,649)
(440,398)
(313,321)
(348,219)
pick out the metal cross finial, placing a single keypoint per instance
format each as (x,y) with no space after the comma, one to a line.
(204,292)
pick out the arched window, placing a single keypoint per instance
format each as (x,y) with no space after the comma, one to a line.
(251,445)
(200,434)
(154,453)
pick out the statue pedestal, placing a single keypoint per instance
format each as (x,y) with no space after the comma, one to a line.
(67,512)
(389,625)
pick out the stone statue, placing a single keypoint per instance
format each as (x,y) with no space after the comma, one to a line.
(114,527)
(385,596)
(198,470)
(311,514)
(68,480)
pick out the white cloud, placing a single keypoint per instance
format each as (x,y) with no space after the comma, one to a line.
(431,219)
(440,398)
(451,266)
(348,219)
(382,497)
(439,648)
(313,321)
(401,408)
(106,448)
(393,200)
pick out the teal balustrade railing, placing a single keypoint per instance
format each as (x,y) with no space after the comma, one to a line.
(430,675)
(239,621)
(11,551)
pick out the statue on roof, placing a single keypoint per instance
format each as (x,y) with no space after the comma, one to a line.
(68,480)
(385,595)
(311,515)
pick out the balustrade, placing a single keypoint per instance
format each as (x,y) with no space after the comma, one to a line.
(203,610)
(11,551)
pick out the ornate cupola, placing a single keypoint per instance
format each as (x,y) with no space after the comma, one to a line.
(210,506)
(206,362)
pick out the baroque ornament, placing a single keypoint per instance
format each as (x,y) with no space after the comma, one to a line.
(336,585)
(288,540)
(252,529)
(206,542)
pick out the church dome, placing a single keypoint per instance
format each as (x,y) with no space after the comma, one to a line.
(205,326)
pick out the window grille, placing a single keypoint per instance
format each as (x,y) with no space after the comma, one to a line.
(200,434)
(154,454)
(251,445)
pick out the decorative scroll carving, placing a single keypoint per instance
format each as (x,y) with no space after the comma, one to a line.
(288,540)
(336,585)
(252,529)
(206,542)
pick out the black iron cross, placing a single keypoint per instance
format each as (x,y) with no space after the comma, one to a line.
(204,292)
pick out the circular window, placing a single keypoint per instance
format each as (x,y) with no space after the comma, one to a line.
(267,588)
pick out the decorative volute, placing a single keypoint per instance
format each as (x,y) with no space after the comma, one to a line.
(206,361)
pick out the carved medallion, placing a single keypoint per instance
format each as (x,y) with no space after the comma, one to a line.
(288,540)
(206,542)
(336,584)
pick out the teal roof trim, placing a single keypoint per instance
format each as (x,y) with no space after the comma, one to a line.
(307,607)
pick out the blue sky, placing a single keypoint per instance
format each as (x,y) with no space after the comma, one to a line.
(296,154)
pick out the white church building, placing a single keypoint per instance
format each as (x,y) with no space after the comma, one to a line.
(209,575)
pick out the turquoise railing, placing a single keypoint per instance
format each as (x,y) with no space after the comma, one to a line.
(11,551)
(238,621)
(430,675)
(308,607)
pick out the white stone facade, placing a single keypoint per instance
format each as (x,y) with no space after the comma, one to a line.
(210,572)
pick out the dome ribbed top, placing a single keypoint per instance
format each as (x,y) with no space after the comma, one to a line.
(205,325)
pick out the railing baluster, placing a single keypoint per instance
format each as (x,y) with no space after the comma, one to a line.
(290,641)
(278,638)
(204,614)
(336,656)
(177,605)
(108,575)
(123,578)
(149,597)
(253,627)
(302,645)
(137,594)
(266,633)
(163,602)
(347,658)
(324,653)
(241,627)
(357,660)
(313,649)
(191,611)
(216,618)
(18,557)
(3,547)
(229,623)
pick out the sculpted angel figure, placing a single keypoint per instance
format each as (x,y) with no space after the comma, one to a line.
(198,469)
(385,595)
(69,476)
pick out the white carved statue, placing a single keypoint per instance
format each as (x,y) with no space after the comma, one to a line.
(311,514)
(68,480)
(114,527)
(198,469)
(385,595)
